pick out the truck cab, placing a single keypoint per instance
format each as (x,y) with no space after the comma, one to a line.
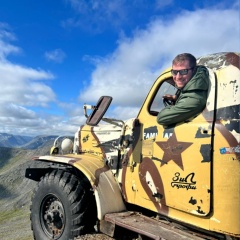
(191,172)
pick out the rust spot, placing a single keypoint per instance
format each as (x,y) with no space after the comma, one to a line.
(233,59)
(72,161)
(98,172)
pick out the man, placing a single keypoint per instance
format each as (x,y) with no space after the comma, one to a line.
(192,82)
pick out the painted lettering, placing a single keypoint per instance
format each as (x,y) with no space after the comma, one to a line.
(167,135)
(150,135)
(184,182)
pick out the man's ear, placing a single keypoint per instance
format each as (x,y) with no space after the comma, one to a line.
(194,70)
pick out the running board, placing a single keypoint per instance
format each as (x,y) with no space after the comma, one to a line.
(143,225)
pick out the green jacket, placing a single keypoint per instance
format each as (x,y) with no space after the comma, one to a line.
(191,101)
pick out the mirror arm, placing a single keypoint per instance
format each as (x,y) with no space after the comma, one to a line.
(85,107)
(122,125)
(114,121)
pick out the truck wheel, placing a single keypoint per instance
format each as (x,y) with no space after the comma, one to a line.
(63,207)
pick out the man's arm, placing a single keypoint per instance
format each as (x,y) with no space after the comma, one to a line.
(185,108)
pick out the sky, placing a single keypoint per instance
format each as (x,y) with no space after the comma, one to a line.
(56,55)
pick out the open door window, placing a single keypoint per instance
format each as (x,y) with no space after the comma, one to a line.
(157,104)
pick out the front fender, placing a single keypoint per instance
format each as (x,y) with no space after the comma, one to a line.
(106,189)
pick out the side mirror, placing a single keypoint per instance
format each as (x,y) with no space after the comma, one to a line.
(98,111)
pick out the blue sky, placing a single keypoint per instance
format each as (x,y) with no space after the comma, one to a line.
(57,55)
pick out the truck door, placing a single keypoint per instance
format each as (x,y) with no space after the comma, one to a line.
(174,170)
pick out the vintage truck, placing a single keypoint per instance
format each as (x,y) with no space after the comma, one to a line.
(181,182)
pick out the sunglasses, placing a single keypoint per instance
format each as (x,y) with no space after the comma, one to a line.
(181,72)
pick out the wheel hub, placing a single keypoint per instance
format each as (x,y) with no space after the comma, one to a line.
(52,216)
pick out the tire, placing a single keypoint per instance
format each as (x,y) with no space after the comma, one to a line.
(63,207)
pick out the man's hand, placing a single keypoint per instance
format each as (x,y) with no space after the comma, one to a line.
(169,99)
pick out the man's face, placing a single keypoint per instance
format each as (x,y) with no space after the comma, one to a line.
(181,78)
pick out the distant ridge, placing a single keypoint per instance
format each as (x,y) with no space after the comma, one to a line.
(39,142)
(10,140)
(25,142)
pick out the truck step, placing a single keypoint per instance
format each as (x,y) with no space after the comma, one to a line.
(148,227)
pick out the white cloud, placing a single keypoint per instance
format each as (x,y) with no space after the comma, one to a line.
(5,32)
(15,111)
(22,85)
(95,15)
(162,4)
(129,72)
(98,15)
(21,88)
(6,48)
(56,55)
(123,112)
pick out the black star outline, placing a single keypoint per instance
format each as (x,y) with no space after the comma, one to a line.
(173,150)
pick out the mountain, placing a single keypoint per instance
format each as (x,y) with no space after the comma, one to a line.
(9,140)
(25,142)
(39,142)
